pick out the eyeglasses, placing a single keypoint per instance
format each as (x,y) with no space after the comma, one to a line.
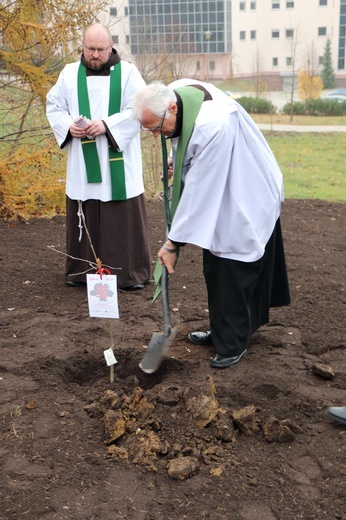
(100,50)
(157,128)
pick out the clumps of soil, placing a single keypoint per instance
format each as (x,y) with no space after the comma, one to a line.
(179,429)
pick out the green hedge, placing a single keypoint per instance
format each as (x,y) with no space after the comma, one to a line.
(316,107)
(257,105)
(310,107)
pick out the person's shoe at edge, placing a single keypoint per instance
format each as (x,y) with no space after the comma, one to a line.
(337,413)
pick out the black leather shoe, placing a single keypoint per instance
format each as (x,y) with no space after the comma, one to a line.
(200,338)
(71,283)
(136,287)
(338,413)
(220,361)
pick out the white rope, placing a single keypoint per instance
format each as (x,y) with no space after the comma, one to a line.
(80,215)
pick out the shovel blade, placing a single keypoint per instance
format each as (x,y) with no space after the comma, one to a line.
(158,346)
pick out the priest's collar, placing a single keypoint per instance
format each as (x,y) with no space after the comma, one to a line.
(105,69)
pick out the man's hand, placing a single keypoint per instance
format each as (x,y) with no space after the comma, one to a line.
(169,168)
(95,128)
(168,256)
(90,130)
(76,131)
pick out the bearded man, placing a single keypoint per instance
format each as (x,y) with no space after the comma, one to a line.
(104,180)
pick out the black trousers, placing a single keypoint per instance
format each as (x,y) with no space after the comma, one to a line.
(241,293)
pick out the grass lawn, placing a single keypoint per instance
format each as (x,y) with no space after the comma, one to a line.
(313,164)
(283,119)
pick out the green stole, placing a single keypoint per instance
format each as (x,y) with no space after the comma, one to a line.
(91,158)
(192,99)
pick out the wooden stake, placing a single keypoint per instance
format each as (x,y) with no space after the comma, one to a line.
(111,369)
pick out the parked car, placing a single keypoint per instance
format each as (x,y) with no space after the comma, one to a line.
(339,95)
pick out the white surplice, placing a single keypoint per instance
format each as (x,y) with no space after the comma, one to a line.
(62,110)
(233,186)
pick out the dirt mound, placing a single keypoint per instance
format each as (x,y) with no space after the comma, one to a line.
(250,442)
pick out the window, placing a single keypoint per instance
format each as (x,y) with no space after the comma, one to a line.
(289,5)
(242,6)
(323,2)
(113,11)
(289,33)
(212,65)
(242,35)
(252,35)
(275,33)
(275,4)
(127,39)
(275,62)
(253,6)
(198,65)
(322,31)
(289,61)
(320,60)
(115,38)
(126,11)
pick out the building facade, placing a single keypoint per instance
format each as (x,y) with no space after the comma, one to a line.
(226,39)
(275,39)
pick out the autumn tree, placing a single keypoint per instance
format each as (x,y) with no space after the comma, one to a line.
(310,84)
(37,37)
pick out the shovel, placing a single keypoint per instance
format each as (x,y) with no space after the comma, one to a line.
(159,343)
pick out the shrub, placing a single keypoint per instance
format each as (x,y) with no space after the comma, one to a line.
(325,107)
(331,107)
(316,107)
(298,108)
(257,105)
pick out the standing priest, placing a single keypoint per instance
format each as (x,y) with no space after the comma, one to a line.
(227,194)
(104,182)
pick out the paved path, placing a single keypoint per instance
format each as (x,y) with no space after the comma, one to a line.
(295,128)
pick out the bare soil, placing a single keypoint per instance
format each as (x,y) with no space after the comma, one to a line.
(250,442)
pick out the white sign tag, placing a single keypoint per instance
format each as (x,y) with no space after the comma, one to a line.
(109,357)
(102,296)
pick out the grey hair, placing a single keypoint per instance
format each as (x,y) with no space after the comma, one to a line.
(155,97)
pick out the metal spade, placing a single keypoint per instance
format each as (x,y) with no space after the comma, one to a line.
(159,343)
